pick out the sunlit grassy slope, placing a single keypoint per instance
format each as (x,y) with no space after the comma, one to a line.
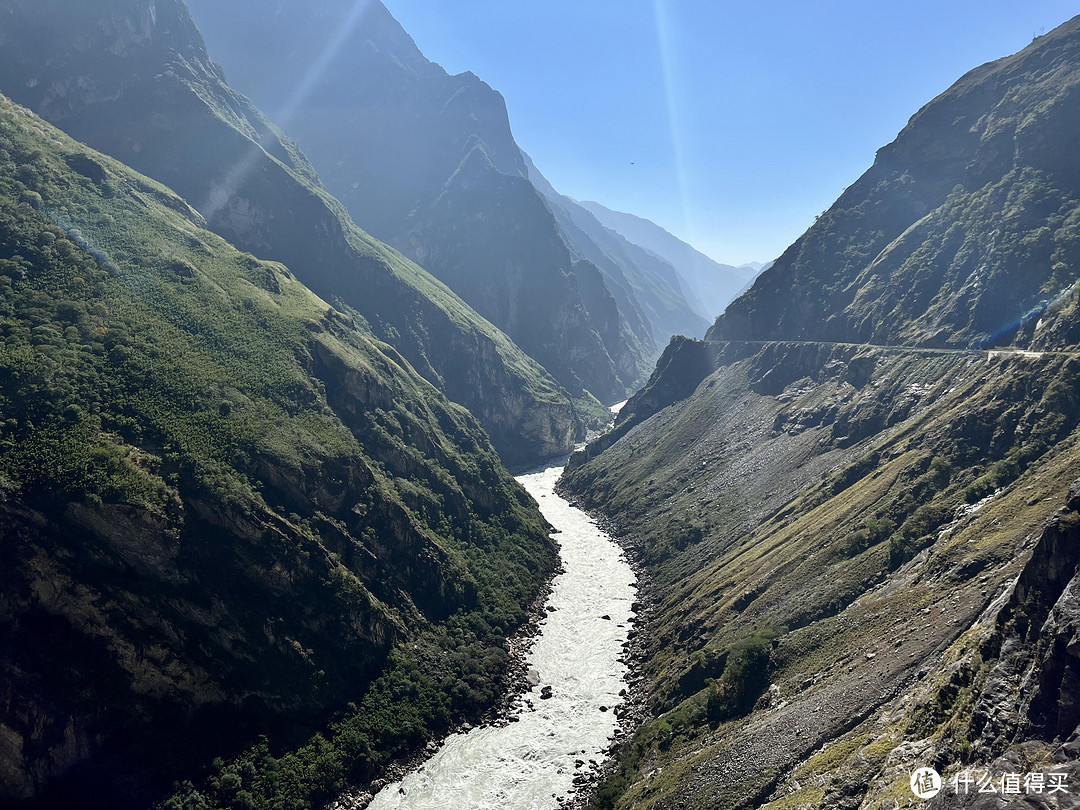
(136,82)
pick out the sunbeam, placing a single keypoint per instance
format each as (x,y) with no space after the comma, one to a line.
(665,40)
(222,192)
(1037,311)
(315,72)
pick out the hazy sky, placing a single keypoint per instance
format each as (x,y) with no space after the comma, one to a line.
(729,123)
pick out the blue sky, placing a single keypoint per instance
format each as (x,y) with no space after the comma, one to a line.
(732,124)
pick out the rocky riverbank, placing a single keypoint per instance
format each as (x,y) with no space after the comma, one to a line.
(517,684)
(634,709)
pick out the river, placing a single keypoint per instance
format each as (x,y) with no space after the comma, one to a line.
(530,764)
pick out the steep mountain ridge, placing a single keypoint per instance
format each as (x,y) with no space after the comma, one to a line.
(225,509)
(390,131)
(858,528)
(960,233)
(711,286)
(651,283)
(505,276)
(133,79)
(312,50)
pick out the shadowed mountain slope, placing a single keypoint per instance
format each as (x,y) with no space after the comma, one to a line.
(403,145)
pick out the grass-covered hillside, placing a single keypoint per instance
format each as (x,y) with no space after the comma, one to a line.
(225,512)
(860,534)
(820,525)
(133,79)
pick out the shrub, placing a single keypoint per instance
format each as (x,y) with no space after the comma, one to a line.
(745,677)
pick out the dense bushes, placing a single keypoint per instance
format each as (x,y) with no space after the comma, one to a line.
(745,677)
(875,531)
(446,674)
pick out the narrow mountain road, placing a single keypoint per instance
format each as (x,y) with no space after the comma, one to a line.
(991,354)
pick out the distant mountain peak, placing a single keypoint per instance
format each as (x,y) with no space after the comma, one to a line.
(709,283)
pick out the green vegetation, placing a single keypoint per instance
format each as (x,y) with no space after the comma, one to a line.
(874,532)
(161,106)
(745,677)
(443,675)
(814,564)
(260,516)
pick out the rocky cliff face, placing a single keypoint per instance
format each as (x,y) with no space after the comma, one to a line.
(427,162)
(680,369)
(960,234)
(1022,685)
(225,510)
(853,522)
(490,237)
(133,79)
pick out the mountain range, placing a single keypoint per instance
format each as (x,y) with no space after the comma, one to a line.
(252,486)
(265,359)
(856,498)
(427,162)
(711,286)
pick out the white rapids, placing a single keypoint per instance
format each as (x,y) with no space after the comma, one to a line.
(531,764)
